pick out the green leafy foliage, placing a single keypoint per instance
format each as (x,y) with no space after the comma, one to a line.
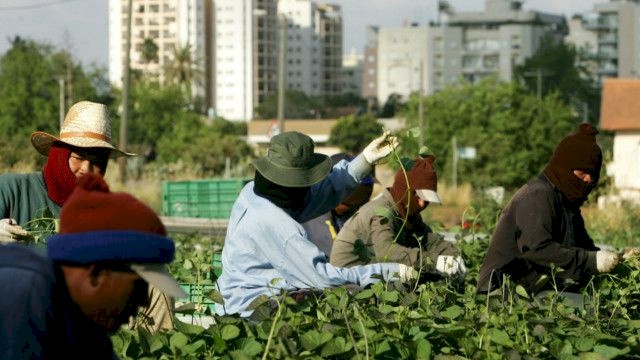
(353,133)
(513,132)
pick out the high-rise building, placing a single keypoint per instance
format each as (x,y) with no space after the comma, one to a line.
(617,28)
(370,66)
(402,61)
(165,34)
(245,57)
(314,47)
(474,45)
(352,73)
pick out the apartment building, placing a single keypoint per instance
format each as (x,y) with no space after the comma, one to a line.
(245,58)
(314,47)
(474,45)
(169,26)
(617,27)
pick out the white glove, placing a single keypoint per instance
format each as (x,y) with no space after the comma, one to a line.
(407,273)
(380,147)
(10,231)
(606,260)
(451,265)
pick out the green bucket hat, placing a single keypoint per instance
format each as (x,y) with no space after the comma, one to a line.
(291,162)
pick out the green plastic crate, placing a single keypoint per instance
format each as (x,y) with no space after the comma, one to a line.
(212,199)
(216,264)
(198,294)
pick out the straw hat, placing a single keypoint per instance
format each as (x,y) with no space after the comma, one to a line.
(86,125)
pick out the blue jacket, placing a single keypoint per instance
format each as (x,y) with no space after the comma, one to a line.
(38,320)
(266,250)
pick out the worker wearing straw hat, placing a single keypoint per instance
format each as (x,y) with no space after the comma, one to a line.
(84,146)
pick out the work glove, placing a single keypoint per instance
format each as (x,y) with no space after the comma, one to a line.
(606,260)
(407,273)
(631,252)
(380,147)
(451,265)
(10,231)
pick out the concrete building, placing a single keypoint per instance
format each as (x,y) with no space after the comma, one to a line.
(617,28)
(402,62)
(246,55)
(352,73)
(170,25)
(314,47)
(370,67)
(474,45)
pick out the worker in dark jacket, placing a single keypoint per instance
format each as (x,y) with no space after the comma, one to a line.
(111,247)
(542,226)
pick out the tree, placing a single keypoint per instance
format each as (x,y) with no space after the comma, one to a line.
(352,133)
(297,105)
(29,95)
(183,69)
(557,66)
(149,51)
(391,106)
(513,132)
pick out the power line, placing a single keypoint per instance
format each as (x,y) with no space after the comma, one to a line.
(33,6)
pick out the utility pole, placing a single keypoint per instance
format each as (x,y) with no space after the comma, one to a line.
(61,99)
(538,74)
(421,108)
(281,71)
(122,161)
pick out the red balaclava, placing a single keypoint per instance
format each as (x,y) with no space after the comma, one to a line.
(577,151)
(58,177)
(421,175)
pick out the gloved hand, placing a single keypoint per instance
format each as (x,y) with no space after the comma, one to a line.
(10,231)
(631,252)
(451,265)
(380,147)
(407,273)
(606,260)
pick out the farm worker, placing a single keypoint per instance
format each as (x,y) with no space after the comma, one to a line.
(390,227)
(84,146)
(542,225)
(95,275)
(322,230)
(266,249)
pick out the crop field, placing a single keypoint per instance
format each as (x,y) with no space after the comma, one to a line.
(433,320)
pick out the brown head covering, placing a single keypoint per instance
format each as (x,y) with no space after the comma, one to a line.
(421,176)
(577,151)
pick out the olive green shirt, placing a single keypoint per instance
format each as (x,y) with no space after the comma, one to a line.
(378,233)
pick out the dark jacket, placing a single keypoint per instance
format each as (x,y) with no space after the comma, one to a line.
(538,228)
(38,320)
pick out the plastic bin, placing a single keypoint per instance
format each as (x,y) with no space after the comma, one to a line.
(211,198)
(216,264)
(198,294)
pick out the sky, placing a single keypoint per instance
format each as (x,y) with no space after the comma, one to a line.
(81,26)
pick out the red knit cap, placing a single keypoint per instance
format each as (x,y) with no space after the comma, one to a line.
(420,175)
(92,207)
(577,151)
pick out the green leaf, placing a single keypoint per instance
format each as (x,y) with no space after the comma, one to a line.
(500,337)
(584,344)
(609,351)
(423,349)
(251,347)
(413,132)
(216,296)
(155,345)
(335,346)
(425,151)
(187,328)
(452,312)
(193,347)
(364,294)
(229,332)
(313,339)
(178,340)
(521,291)
(187,264)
